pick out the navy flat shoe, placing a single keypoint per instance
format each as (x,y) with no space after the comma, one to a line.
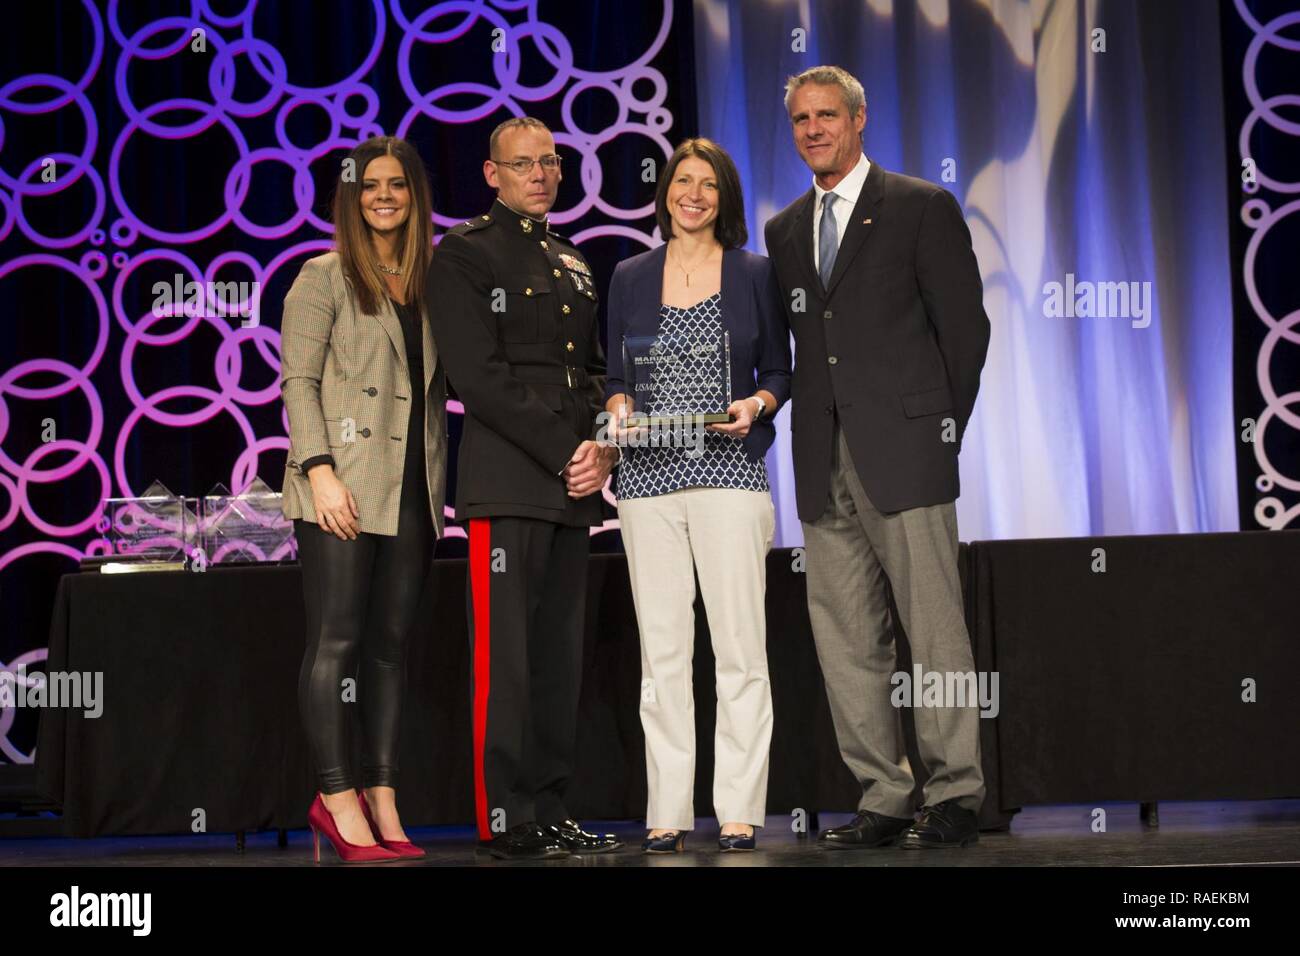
(737,842)
(671,842)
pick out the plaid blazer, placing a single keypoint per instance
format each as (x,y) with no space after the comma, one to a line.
(346,386)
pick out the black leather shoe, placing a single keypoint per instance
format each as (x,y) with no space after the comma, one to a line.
(945,824)
(866,829)
(737,842)
(527,841)
(578,840)
(674,841)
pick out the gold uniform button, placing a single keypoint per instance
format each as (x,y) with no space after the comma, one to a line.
(486,218)
(556,273)
(528,291)
(565,309)
(569,346)
(544,245)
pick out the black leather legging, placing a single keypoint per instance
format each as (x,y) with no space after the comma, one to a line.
(361,597)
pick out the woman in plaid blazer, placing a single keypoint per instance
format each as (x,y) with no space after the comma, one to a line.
(366,398)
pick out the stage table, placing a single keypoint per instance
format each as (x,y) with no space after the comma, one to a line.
(1127,684)
(1123,684)
(200,709)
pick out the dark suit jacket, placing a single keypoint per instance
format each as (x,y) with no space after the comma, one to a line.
(894,347)
(513,311)
(751,312)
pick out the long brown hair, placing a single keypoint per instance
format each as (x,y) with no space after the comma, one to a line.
(352,232)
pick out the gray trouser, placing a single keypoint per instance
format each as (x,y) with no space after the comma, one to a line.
(854,555)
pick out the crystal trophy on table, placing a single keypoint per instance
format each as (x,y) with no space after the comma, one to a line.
(157,526)
(246,527)
(678,379)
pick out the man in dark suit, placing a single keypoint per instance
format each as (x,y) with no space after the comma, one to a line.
(883,295)
(513,311)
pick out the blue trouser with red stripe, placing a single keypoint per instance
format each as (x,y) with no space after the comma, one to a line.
(526,593)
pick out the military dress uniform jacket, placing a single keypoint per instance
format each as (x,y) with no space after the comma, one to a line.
(513,310)
(346,387)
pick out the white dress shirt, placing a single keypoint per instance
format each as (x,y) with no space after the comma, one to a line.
(847,191)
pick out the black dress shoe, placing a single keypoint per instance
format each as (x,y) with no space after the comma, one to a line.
(578,840)
(737,842)
(674,841)
(528,841)
(945,824)
(866,829)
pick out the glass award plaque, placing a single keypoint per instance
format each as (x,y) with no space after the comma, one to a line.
(246,527)
(156,526)
(680,379)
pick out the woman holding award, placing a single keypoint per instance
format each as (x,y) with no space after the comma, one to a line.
(699,502)
(365,480)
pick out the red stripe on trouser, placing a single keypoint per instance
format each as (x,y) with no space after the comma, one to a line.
(480,570)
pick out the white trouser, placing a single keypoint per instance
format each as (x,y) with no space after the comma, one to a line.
(723,534)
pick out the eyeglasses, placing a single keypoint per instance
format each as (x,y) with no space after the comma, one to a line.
(522,167)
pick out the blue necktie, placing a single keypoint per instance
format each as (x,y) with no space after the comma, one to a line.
(828,241)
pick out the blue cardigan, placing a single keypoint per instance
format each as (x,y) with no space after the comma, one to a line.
(751,311)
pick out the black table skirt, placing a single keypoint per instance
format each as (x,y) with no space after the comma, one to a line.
(1117,686)
(200,709)
(1127,684)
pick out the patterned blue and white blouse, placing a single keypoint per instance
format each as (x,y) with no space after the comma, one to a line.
(649,471)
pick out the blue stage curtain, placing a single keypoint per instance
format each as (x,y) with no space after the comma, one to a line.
(1069,161)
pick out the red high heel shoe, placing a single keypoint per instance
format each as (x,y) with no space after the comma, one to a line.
(320,821)
(402,848)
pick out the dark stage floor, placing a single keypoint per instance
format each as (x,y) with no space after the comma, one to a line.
(1190,834)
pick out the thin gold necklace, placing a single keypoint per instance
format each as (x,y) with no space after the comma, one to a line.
(696,269)
(387,271)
